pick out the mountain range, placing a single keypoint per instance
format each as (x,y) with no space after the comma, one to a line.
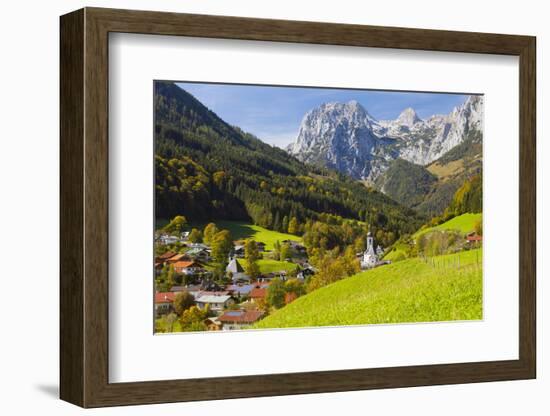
(207,169)
(405,157)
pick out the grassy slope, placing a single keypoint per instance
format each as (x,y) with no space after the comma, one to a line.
(463,223)
(407,291)
(242,230)
(175,328)
(269,266)
(398,253)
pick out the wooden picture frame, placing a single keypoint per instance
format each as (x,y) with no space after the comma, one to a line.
(84,207)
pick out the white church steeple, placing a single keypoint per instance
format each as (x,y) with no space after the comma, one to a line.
(370,259)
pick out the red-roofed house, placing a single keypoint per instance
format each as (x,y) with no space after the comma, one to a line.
(258,293)
(163,302)
(177,257)
(474,239)
(166,256)
(232,320)
(187,267)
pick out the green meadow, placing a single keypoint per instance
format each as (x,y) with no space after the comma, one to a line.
(442,288)
(270,266)
(243,230)
(463,223)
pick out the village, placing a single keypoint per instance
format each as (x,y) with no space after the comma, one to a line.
(190,287)
(208,281)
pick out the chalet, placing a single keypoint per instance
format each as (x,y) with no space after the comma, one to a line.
(235,320)
(216,303)
(192,289)
(163,302)
(238,251)
(198,253)
(268,277)
(199,245)
(163,257)
(188,267)
(176,258)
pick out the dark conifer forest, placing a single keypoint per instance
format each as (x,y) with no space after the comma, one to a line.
(206,169)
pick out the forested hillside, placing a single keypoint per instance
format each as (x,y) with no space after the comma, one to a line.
(453,169)
(406,182)
(206,169)
(430,189)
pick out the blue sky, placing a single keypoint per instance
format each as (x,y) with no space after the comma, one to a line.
(274,114)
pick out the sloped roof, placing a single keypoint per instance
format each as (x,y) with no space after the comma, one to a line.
(165,297)
(186,264)
(241,289)
(213,298)
(188,288)
(234,267)
(177,257)
(195,251)
(167,255)
(241,316)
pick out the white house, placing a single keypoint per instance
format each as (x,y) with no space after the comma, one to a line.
(217,303)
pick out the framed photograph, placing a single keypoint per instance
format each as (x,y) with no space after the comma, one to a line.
(256,207)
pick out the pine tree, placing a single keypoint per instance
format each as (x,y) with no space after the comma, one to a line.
(284,224)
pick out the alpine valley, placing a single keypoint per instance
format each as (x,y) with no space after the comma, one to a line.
(419,163)
(207,169)
(359,221)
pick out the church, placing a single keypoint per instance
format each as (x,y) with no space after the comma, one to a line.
(371,257)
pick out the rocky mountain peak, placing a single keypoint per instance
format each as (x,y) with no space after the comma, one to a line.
(408,117)
(345,137)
